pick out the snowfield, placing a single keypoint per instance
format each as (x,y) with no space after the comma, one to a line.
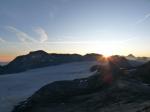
(17,87)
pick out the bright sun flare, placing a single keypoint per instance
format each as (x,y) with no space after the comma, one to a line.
(108,49)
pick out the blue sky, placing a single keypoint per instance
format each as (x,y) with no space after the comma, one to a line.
(74,26)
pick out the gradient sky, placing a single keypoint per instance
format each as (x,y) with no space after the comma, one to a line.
(74,26)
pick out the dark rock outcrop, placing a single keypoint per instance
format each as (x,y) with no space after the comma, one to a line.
(120,61)
(143,73)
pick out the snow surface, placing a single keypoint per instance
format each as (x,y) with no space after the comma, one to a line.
(17,87)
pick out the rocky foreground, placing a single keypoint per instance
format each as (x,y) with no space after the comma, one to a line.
(110,89)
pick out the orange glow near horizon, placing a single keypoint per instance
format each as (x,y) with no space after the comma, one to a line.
(6,58)
(106,54)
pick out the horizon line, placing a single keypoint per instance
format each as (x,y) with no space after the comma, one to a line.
(12,58)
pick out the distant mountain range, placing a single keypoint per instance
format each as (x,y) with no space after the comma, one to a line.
(132,57)
(38,59)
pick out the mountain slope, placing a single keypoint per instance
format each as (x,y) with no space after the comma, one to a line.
(143,73)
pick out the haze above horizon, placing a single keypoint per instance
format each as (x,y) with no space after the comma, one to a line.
(74,26)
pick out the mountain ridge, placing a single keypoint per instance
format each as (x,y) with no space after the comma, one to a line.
(40,58)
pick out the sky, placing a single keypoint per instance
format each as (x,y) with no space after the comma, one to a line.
(74,26)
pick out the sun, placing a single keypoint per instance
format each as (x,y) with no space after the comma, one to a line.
(107,53)
(108,50)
